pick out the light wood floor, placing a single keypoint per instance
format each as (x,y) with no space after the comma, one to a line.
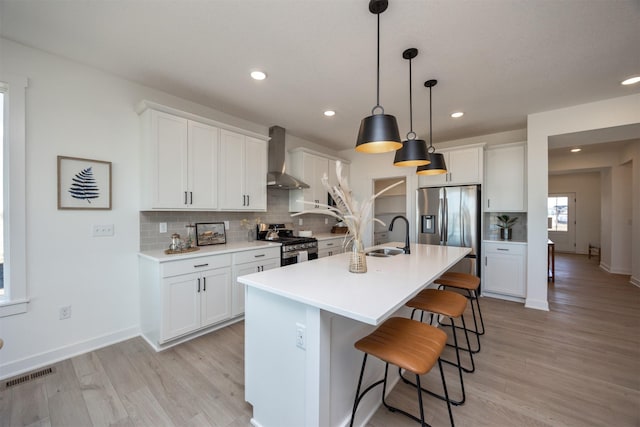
(576,365)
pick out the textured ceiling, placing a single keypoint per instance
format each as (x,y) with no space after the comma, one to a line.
(496,60)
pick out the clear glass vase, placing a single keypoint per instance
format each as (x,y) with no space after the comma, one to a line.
(358,259)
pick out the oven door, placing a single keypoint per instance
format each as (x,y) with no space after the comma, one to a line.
(288,258)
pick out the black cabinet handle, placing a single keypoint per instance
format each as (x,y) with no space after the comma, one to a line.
(259,256)
(198,284)
(200,265)
(248,200)
(204,284)
(329,244)
(191,197)
(504,250)
(185,197)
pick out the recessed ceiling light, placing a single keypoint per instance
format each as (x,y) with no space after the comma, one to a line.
(576,150)
(329,113)
(258,75)
(457,114)
(631,80)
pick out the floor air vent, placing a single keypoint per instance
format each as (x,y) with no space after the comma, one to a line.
(27,377)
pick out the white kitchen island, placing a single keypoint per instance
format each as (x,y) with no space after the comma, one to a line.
(301,322)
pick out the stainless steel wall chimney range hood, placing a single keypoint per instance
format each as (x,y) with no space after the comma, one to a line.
(276,177)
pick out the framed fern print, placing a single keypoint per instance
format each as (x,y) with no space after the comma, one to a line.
(84,183)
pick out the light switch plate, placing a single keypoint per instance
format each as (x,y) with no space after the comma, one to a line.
(105,230)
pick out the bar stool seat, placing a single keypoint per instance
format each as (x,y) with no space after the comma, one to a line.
(451,305)
(411,345)
(469,284)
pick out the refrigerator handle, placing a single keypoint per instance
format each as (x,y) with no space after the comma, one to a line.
(446,220)
(443,218)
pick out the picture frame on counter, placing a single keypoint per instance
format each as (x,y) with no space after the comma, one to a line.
(84,184)
(210,233)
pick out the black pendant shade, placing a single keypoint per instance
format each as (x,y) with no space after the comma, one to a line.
(437,165)
(378,132)
(413,151)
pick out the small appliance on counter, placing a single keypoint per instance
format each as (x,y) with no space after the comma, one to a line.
(294,249)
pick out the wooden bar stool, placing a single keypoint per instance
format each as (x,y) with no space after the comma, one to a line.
(451,305)
(411,345)
(468,283)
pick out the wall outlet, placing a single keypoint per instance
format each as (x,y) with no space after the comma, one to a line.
(326,221)
(65,312)
(105,230)
(163,227)
(301,336)
(226,225)
(300,221)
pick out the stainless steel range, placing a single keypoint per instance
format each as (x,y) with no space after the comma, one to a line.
(293,247)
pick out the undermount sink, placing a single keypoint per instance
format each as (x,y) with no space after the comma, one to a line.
(385,252)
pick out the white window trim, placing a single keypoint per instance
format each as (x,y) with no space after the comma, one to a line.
(15,299)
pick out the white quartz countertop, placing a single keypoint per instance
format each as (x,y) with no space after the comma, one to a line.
(328,236)
(160,256)
(371,297)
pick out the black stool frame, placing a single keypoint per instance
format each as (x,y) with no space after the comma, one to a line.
(472,295)
(384,391)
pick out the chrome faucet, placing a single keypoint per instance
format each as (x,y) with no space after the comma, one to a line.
(406,248)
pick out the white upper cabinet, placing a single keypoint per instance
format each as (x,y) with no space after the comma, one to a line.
(504,186)
(464,166)
(310,167)
(193,163)
(242,172)
(178,154)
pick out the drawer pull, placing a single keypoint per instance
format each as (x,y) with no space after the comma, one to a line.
(329,244)
(259,256)
(198,284)
(502,249)
(200,265)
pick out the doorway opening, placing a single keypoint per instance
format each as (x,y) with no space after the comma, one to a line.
(386,206)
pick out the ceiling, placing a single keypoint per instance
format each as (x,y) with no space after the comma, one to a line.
(496,60)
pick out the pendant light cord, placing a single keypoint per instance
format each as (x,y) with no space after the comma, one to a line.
(430,121)
(378,65)
(410,103)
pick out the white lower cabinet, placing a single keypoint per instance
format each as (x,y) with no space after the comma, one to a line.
(329,247)
(181,299)
(248,262)
(194,301)
(504,271)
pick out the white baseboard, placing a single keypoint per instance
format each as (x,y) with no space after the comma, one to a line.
(11,369)
(502,296)
(537,304)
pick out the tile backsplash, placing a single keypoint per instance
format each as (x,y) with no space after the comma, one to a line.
(277,212)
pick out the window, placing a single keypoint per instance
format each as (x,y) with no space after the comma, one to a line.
(13,295)
(557,213)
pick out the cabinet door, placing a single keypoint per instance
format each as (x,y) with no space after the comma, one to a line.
(256,174)
(465,166)
(504,184)
(237,300)
(169,134)
(181,306)
(231,171)
(504,270)
(215,296)
(203,162)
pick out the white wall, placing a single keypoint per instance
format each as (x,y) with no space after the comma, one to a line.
(602,114)
(587,189)
(78,111)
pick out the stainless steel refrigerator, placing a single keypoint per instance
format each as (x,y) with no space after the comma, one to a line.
(450,216)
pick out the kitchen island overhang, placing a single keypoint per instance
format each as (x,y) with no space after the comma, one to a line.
(301,322)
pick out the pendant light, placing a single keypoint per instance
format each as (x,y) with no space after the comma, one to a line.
(437,165)
(378,132)
(413,151)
